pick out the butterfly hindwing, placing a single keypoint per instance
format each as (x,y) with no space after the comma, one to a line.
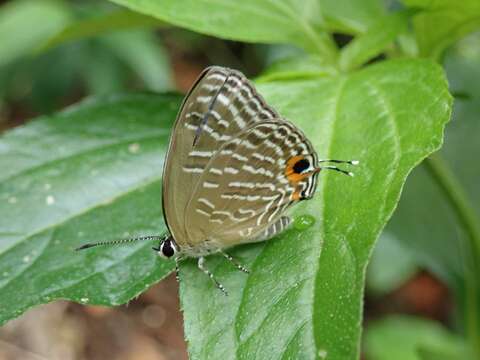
(246,185)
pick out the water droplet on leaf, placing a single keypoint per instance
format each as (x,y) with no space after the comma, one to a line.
(134,148)
(322,354)
(50,200)
(303,222)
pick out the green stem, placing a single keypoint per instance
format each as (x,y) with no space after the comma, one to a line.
(467,217)
(321,43)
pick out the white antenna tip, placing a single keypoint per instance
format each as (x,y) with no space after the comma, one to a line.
(355,162)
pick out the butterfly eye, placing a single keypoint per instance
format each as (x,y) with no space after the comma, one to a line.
(300,166)
(167,249)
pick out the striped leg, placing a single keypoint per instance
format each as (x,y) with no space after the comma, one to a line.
(177,270)
(201,266)
(235,262)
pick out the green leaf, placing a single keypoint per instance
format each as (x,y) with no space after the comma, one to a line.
(90,173)
(303,298)
(297,67)
(100,24)
(263,21)
(443,22)
(351,16)
(410,338)
(145,55)
(26,23)
(365,47)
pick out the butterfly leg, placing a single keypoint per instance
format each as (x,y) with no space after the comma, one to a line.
(235,262)
(201,266)
(177,270)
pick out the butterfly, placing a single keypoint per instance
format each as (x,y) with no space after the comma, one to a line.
(234,167)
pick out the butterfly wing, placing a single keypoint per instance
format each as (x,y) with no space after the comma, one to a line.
(220,104)
(249,183)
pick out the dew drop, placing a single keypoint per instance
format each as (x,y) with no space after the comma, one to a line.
(303,222)
(134,148)
(322,354)
(84,300)
(12,200)
(50,200)
(26,258)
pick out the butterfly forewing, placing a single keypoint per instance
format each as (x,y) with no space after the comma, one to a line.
(245,187)
(220,105)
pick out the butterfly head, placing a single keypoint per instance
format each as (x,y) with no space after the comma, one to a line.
(168,248)
(301,172)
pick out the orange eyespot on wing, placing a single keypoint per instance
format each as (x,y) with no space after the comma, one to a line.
(297,195)
(294,168)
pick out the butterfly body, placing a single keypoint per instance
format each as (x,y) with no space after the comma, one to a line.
(233,167)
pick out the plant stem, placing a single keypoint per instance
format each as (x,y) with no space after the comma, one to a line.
(467,217)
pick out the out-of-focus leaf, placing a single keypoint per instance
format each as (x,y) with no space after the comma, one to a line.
(26,23)
(100,24)
(264,21)
(90,173)
(442,22)
(410,338)
(303,297)
(145,55)
(391,265)
(375,40)
(297,67)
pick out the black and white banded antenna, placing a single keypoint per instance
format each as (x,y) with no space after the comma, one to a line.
(336,168)
(121,241)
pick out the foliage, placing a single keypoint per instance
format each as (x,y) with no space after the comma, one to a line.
(409,338)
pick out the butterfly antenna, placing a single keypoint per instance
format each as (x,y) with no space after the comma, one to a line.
(351,162)
(331,167)
(119,242)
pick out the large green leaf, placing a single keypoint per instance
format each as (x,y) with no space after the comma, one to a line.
(442,22)
(303,298)
(100,24)
(90,173)
(280,21)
